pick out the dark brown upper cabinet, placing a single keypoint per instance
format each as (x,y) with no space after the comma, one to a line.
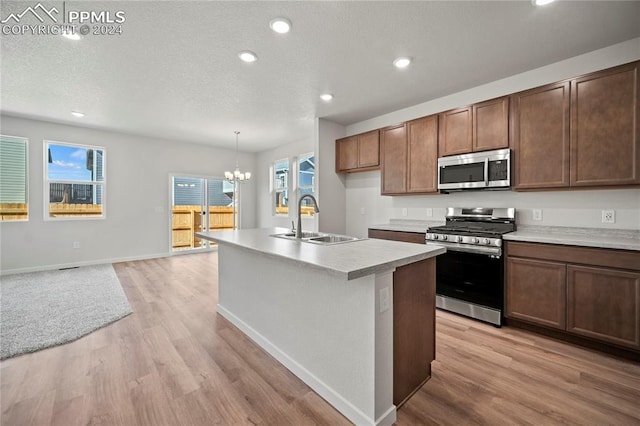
(480,127)
(410,157)
(540,139)
(422,162)
(578,133)
(393,147)
(605,148)
(358,153)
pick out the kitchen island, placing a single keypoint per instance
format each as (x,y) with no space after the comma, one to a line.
(354,321)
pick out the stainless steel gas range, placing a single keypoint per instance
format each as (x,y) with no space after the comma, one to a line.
(470,276)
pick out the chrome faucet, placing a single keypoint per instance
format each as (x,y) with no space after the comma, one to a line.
(316,209)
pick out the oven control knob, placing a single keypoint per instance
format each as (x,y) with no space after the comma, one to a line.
(486,241)
(459,238)
(475,240)
(444,238)
(435,236)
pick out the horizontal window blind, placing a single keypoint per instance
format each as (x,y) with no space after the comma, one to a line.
(13,170)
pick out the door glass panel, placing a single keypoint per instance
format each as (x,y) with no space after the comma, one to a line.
(199,204)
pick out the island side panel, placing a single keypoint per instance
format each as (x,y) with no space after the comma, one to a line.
(413,327)
(320,326)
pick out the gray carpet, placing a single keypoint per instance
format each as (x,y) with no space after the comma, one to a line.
(43,309)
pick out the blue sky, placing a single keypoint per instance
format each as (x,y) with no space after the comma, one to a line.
(69,163)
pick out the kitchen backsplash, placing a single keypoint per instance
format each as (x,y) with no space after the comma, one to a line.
(365,205)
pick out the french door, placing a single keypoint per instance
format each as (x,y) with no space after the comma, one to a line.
(198,204)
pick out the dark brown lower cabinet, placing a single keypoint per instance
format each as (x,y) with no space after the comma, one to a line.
(588,292)
(414,327)
(603,304)
(414,319)
(537,291)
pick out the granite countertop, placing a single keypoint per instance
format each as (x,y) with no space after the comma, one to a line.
(587,237)
(347,260)
(407,225)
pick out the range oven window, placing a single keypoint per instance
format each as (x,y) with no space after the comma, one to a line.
(471,172)
(471,277)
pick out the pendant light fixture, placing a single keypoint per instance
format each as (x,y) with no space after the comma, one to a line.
(236,177)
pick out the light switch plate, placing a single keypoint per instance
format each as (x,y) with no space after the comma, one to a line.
(384,299)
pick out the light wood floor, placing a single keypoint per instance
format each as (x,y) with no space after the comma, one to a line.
(175,362)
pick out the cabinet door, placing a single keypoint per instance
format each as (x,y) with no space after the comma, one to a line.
(369,149)
(540,140)
(394,160)
(423,155)
(491,124)
(455,132)
(347,153)
(604,304)
(536,292)
(605,148)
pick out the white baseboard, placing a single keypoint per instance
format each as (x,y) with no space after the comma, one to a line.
(83,263)
(329,394)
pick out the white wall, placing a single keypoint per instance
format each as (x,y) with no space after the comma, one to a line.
(560,208)
(137,198)
(332,186)
(265,199)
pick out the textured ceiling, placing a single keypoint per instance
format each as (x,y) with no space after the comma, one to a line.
(174,72)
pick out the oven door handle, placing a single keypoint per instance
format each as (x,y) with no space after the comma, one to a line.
(481,250)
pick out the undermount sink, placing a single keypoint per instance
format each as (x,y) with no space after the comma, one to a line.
(292,235)
(318,238)
(332,239)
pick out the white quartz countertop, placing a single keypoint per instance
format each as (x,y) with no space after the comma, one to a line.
(587,237)
(349,260)
(407,225)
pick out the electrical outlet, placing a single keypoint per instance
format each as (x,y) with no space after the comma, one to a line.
(429,212)
(608,216)
(384,299)
(537,214)
(363,210)
(76,244)
(404,211)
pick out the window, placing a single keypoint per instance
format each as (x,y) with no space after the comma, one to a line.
(306,182)
(281,187)
(14,204)
(74,181)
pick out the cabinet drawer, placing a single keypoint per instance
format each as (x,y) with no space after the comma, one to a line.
(407,237)
(621,259)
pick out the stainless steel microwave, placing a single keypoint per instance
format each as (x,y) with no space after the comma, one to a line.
(489,169)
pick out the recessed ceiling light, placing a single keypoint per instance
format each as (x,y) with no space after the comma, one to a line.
(77,113)
(326,97)
(248,56)
(280,25)
(72,36)
(402,62)
(541,2)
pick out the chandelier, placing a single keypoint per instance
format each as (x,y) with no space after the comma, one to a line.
(237,175)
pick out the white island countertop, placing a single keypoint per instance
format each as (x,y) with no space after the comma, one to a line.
(348,260)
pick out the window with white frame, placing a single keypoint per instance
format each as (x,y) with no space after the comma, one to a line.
(14,199)
(306,182)
(74,181)
(281,187)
